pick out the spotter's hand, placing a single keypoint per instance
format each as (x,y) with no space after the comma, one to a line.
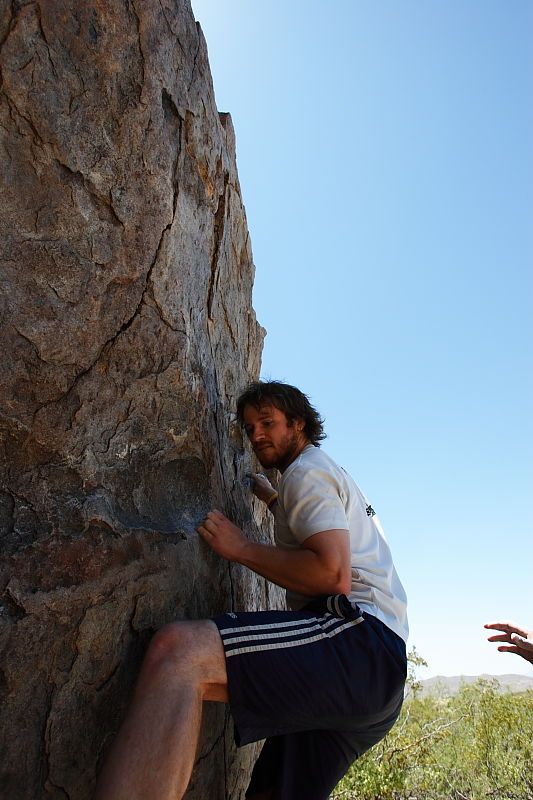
(222,536)
(517,639)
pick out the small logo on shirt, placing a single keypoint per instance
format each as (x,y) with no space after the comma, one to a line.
(370,511)
(232,615)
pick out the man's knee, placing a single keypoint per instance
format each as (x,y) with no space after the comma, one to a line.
(184,644)
(173,642)
(190,653)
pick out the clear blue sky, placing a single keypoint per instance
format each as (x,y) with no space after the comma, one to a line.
(385,154)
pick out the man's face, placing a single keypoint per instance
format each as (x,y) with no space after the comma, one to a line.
(275,440)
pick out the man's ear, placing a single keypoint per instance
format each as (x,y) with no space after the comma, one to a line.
(298,423)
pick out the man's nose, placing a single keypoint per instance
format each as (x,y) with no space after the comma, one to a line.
(256,436)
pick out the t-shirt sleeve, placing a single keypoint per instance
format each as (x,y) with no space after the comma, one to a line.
(312,503)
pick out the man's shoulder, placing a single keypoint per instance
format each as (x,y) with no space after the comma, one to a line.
(311,460)
(317,457)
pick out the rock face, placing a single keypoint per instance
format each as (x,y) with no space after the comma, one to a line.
(127,332)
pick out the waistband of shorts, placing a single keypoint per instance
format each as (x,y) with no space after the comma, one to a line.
(336,604)
(340,606)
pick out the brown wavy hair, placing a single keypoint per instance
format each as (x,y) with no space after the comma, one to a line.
(294,404)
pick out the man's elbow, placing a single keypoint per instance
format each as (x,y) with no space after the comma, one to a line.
(341,582)
(345,585)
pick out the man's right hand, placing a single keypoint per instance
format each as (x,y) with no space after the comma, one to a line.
(519,640)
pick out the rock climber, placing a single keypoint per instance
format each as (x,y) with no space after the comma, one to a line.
(321,682)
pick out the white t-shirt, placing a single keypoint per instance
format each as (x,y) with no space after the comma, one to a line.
(315,495)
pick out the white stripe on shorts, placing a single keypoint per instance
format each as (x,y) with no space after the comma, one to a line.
(303,640)
(257,631)
(269,625)
(316,626)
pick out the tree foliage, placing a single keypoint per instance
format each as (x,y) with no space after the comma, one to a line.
(476,745)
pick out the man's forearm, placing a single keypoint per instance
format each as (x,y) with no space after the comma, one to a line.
(320,566)
(301,571)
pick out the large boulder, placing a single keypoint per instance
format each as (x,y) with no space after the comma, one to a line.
(127,333)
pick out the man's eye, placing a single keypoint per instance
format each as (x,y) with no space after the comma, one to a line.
(267,423)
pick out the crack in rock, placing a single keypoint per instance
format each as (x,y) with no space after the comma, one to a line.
(218,236)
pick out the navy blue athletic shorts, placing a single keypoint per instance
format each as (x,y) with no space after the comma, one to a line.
(321,685)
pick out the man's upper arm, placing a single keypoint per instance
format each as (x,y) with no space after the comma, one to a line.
(333,550)
(312,504)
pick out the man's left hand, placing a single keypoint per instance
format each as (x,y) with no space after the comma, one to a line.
(222,535)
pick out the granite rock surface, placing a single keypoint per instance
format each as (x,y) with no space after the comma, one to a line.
(127,332)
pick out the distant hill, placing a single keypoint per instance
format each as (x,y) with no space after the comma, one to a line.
(445,686)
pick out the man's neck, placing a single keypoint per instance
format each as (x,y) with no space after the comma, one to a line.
(293,456)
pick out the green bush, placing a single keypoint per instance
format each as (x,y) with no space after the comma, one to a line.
(473,746)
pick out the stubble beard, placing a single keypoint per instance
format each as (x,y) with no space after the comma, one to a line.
(284,454)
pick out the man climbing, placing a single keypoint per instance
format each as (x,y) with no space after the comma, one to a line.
(321,682)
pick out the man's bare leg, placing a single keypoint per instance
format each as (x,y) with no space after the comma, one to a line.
(153,754)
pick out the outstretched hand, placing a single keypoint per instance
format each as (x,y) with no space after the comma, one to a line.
(222,535)
(518,640)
